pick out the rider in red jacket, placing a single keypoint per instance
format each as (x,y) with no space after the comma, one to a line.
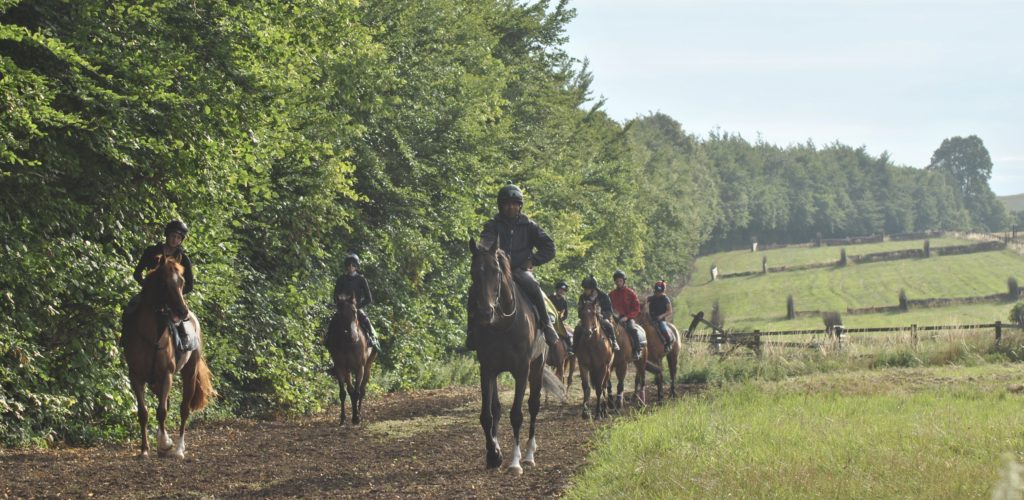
(627,309)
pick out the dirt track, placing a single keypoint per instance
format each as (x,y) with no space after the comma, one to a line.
(418,444)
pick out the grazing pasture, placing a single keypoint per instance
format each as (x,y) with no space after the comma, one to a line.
(759,301)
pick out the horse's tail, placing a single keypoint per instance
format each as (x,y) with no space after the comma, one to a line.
(553,386)
(204,387)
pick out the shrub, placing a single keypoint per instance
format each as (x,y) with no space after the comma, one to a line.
(1012,288)
(842,257)
(903,300)
(1017,313)
(790,308)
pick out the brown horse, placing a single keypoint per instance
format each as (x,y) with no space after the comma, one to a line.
(149,351)
(621,363)
(505,329)
(559,359)
(594,352)
(352,354)
(656,351)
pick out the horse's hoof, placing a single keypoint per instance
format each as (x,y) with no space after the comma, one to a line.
(179,454)
(142,455)
(493,460)
(356,420)
(515,470)
(528,463)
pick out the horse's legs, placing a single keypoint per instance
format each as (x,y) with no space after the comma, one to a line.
(536,378)
(488,384)
(139,388)
(673,361)
(516,417)
(620,373)
(343,382)
(585,382)
(357,397)
(365,379)
(188,388)
(163,396)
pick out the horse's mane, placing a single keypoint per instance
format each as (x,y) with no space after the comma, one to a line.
(164,260)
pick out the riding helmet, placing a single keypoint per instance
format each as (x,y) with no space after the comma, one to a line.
(509,192)
(659,286)
(589,282)
(561,285)
(176,226)
(351,259)
(619,274)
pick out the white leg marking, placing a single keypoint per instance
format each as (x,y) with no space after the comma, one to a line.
(179,451)
(164,443)
(514,467)
(531,447)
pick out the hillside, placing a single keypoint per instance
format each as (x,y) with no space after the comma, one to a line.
(759,301)
(1013,202)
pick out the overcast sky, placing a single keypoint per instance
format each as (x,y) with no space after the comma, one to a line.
(897,76)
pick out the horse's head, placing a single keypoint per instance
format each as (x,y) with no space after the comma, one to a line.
(163,287)
(346,303)
(590,318)
(491,272)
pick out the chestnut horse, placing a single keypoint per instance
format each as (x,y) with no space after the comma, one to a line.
(507,340)
(621,363)
(594,353)
(559,359)
(149,350)
(352,354)
(656,351)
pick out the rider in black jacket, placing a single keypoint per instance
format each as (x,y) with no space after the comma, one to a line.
(592,293)
(518,236)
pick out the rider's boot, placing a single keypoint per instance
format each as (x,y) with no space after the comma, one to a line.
(637,348)
(569,341)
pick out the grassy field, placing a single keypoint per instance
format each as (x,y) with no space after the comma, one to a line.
(929,432)
(759,301)
(1013,203)
(745,260)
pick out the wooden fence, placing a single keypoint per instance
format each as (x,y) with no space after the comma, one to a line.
(755,339)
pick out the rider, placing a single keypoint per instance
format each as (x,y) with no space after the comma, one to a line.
(659,306)
(518,236)
(592,293)
(174,234)
(354,283)
(558,299)
(627,308)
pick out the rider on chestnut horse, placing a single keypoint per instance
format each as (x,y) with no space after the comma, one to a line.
(627,308)
(355,284)
(518,236)
(592,293)
(174,234)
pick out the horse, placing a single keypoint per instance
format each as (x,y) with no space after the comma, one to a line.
(621,362)
(594,352)
(561,361)
(352,354)
(149,351)
(656,351)
(507,340)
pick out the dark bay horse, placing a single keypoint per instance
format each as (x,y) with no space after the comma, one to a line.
(559,358)
(656,351)
(621,362)
(149,351)
(594,353)
(507,340)
(352,354)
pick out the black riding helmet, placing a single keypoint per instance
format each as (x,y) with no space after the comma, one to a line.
(176,226)
(589,282)
(351,259)
(561,285)
(619,274)
(509,192)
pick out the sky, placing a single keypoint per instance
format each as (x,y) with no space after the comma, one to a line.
(895,76)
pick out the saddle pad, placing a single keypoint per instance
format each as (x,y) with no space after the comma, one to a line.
(185,338)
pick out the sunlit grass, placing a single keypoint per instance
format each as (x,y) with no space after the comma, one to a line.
(926,432)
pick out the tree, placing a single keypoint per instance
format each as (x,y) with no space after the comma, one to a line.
(966,162)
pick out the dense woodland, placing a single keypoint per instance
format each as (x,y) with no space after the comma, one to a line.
(287,134)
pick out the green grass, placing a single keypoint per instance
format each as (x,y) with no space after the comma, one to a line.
(744,260)
(1014,202)
(757,301)
(935,432)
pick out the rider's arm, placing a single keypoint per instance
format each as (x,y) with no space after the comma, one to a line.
(144,262)
(668,310)
(189,278)
(365,298)
(544,244)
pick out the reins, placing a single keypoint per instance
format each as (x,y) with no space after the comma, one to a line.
(512,293)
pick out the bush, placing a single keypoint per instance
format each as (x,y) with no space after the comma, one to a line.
(790,308)
(903,300)
(1017,313)
(1012,287)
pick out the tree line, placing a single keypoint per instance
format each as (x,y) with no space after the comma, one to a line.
(290,134)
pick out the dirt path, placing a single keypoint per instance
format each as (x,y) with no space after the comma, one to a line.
(418,444)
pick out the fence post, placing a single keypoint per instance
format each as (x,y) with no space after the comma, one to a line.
(913,334)
(999,332)
(757,342)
